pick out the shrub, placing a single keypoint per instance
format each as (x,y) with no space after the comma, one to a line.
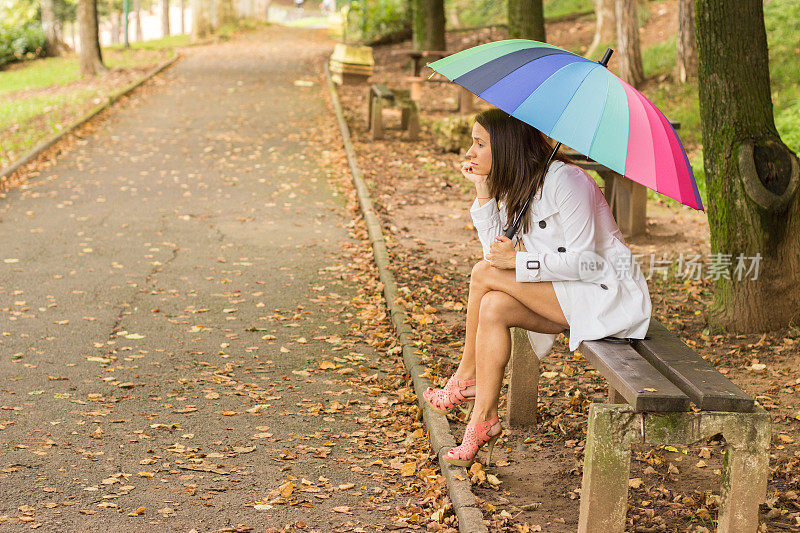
(20,43)
(378,21)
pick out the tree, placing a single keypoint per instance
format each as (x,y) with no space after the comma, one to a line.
(51,27)
(201,19)
(428,26)
(137,17)
(687,43)
(165,18)
(225,12)
(526,20)
(752,176)
(605,29)
(91,58)
(630,54)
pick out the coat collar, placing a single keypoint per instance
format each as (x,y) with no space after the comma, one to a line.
(544,204)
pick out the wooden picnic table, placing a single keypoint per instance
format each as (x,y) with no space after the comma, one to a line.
(417,56)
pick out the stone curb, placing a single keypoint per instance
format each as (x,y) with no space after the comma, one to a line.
(37,150)
(470,517)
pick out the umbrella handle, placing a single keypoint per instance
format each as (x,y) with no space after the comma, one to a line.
(512,230)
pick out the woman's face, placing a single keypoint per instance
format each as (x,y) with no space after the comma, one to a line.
(480,154)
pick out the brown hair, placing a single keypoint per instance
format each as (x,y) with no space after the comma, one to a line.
(519,153)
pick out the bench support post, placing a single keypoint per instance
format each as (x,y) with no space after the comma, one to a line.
(744,474)
(376,118)
(614,396)
(523,388)
(606,469)
(613,428)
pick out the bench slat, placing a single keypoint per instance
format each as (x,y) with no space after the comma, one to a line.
(642,386)
(708,389)
(382,91)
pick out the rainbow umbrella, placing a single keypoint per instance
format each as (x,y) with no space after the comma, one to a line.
(582,104)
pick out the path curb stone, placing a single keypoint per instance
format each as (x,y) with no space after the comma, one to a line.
(470,517)
(37,150)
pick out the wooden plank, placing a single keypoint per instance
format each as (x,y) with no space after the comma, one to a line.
(627,372)
(695,376)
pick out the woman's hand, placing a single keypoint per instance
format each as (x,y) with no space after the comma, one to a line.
(478,179)
(502,253)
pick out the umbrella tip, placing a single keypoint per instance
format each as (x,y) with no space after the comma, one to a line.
(606,57)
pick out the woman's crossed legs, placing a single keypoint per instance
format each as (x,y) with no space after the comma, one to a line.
(496,303)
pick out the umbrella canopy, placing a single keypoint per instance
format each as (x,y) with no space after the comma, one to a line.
(582,104)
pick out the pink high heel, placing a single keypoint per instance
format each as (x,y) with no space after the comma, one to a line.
(444,400)
(475,437)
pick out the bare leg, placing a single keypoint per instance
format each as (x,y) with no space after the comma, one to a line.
(485,278)
(499,312)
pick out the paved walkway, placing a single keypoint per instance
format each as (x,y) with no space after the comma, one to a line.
(165,299)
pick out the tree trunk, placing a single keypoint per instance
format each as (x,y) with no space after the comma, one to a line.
(90,57)
(137,17)
(183,17)
(201,19)
(526,20)
(630,54)
(428,27)
(605,29)
(453,19)
(752,177)
(51,38)
(165,18)
(226,12)
(687,43)
(114,27)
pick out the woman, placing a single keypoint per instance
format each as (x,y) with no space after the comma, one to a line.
(573,271)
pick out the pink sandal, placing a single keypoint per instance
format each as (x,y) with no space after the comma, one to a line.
(444,400)
(475,437)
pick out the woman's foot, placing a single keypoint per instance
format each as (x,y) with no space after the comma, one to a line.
(454,393)
(476,435)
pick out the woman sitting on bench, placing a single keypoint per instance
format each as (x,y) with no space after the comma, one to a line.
(573,271)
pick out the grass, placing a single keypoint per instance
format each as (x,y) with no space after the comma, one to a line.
(482,12)
(42,96)
(563,8)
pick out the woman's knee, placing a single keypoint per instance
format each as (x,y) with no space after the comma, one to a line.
(480,273)
(496,307)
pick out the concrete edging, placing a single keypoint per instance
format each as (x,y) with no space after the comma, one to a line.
(470,517)
(37,150)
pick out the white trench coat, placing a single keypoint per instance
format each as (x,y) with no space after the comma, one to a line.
(574,242)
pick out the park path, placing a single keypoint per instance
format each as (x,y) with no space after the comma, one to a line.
(168,290)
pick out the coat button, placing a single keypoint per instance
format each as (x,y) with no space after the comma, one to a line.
(603,286)
(542,224)
(562,249)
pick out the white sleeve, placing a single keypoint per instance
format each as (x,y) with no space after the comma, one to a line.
(574,196)
(488,221)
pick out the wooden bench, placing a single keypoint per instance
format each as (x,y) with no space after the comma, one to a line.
(627,199)
(409,112)
(465,99)
(652,386)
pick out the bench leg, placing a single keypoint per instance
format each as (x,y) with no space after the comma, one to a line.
(523,388)
(376,123)
(744,472)
(413,124)
(606,469)
(465,103)
(416,91)
(614,396)
(369,108)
